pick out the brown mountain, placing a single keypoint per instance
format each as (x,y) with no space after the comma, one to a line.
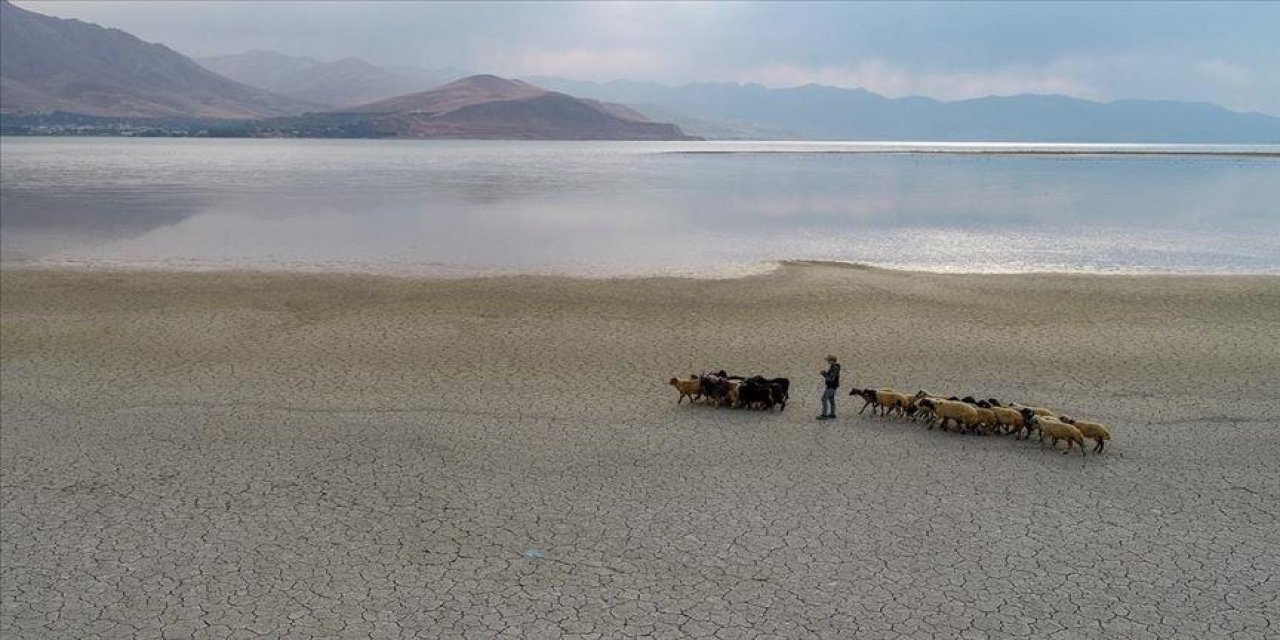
(51,64)
(486,106)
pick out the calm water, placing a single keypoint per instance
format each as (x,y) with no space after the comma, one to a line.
(602,208)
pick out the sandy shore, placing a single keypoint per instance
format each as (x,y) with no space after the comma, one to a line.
(227,455)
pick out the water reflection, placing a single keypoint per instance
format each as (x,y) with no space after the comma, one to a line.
(618,208)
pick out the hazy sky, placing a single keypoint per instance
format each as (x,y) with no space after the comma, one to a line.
(1220,52)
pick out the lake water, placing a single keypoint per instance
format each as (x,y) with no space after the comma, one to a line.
(620,208)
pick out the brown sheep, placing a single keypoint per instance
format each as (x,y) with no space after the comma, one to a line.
(1040,411)
(963,414)
(1056,430)
(887,400)
(1008,420)
(892,401)
(690,387)
(986,420)
(1095,431)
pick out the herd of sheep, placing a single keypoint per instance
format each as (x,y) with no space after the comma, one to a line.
(986,417)
(965,415)
(724,390)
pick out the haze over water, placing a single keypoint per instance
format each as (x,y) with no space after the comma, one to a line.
(608,208)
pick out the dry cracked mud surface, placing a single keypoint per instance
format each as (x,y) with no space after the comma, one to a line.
(285,456)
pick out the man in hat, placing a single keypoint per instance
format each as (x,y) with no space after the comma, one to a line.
(831,380)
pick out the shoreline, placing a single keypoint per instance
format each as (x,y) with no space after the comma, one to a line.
(942,147)
(1262,155)
(451,273)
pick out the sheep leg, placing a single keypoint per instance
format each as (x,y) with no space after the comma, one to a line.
(864,408)
(1100,446)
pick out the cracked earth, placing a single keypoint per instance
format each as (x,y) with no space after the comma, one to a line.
(244,456)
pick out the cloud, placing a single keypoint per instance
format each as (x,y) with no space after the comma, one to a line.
(895,80)
(583,63)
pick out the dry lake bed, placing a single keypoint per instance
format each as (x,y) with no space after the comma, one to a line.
(195,455)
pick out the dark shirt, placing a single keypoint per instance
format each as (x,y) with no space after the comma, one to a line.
(833,376)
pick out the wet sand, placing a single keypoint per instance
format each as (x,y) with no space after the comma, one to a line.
(252,454)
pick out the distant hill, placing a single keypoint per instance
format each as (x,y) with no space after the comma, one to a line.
(49,64)
(268,70)
(467,92)
(341,83)
(816,112)
(483,106)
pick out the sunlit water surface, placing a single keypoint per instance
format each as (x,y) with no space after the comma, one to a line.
(618,208)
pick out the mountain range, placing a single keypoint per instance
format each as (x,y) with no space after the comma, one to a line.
(68,76)
(817,112)
(51,64)
(340,83)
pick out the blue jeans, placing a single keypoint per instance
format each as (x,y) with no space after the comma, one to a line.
(829,402)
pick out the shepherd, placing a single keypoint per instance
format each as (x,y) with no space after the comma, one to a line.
(831,379)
